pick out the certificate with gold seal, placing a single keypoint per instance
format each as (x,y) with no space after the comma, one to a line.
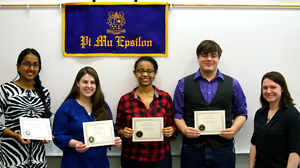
(98,133)
(210,122)
(35,128)
(147,129)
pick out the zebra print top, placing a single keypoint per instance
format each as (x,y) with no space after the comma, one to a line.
(17,102)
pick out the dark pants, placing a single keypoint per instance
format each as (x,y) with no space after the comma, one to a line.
(206,157)
(165,162)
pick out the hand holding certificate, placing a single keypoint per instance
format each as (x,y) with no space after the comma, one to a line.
(98,133)
(35,128)
(147,129)
(210,122)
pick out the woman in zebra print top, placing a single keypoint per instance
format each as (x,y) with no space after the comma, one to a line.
(24,97)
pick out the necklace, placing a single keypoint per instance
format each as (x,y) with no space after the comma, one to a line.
(87,107)
(269,117)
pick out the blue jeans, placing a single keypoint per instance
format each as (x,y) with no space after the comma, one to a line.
(165,162)
(206,157)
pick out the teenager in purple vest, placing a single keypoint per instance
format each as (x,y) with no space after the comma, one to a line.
(208,90)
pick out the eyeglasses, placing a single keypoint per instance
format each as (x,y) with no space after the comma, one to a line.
(141,72)
(28,65)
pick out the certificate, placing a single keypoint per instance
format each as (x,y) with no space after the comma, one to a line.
(210,122)
(35,128)
(98,133)
(147,129)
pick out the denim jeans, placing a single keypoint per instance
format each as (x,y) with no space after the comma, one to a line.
(165,162)
(207,157)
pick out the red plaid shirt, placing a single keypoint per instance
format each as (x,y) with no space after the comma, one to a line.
(130,105)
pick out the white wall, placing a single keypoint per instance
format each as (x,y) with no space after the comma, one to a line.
(254,41)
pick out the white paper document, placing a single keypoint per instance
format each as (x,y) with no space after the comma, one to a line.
(35,128)
(210,122)
(147,129)
(98,133)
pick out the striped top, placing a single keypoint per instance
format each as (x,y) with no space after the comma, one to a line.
(17,102)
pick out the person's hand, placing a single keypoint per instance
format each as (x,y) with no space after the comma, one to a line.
(227,133)
(22,141)
(168,131)
(44,141)
(127,132)
(118,142)
(80,147)
(191,132)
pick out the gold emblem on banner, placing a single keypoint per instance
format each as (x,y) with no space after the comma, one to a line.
(116,22)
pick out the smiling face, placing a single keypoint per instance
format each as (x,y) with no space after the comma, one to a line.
(208,62)
(86,86)
(144,73)
(29,67)
(271,91)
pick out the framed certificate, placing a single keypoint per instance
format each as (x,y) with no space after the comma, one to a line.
(98,133)
(210,122)
(35,128)
(147,129)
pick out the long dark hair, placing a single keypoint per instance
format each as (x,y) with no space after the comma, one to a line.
(37,82)
(99,108)
(285,100)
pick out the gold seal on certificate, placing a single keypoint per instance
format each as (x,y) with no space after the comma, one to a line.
(98,133)
(147,129)
(91,139)
(139,134)
(201,127)
(35,128)
(210,122)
